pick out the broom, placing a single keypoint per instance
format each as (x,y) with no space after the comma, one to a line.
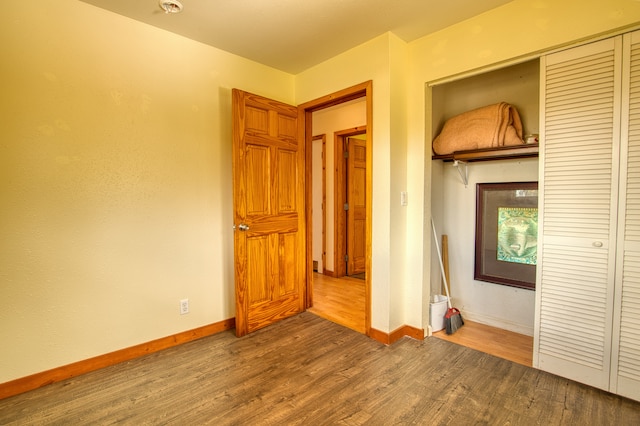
(452,319)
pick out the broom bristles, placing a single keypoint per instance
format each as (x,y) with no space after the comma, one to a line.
(453,320)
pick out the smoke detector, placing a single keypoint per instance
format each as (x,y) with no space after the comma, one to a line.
(170,6)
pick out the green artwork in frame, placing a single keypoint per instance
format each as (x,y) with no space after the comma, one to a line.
(518,235)
(506,233)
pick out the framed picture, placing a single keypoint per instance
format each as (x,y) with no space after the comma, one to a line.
(507,233)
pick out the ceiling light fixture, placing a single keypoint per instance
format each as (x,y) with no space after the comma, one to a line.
(170,6)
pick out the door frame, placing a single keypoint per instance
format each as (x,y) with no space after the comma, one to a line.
(305,132)
(323,139)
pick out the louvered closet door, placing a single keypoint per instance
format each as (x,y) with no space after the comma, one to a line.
(625,378)
(578,210)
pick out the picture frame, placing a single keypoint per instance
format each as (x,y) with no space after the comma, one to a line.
(506,233)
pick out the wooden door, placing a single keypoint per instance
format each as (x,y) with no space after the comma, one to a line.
(356,199)
(268,197)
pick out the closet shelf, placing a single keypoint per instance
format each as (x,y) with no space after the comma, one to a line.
(485,154)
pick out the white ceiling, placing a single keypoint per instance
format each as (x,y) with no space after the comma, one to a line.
(293,35)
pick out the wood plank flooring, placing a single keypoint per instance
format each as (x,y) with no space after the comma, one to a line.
(341,300)
(495,341)
(307,370)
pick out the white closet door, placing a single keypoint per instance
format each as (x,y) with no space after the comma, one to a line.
(625,377)
(580,126)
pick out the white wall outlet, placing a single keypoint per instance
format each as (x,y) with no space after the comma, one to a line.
(184,306)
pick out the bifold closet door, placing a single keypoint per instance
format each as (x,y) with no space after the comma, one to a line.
(579,157)
(625,377)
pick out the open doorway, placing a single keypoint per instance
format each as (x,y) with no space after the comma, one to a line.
(324,266)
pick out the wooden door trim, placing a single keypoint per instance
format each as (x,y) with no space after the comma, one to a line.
(323,139)
(304,130)
(324,202)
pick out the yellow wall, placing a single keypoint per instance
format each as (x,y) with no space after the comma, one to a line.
(519,28)
(115,171)
(399,275)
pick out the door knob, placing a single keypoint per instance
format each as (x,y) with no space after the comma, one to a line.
(243,227)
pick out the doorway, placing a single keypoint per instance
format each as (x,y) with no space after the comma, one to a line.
(363,90)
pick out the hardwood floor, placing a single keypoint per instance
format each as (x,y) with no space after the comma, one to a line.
(307,370)
(341,300)
(495,341)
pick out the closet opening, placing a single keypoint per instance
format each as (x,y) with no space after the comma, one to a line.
(499,319)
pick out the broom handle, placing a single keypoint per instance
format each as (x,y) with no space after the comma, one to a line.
(446,284)
(445,257)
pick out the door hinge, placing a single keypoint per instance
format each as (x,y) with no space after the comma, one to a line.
(346,257)
(346,206)
(346,154)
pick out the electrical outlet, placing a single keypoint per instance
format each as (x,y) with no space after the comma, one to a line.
(184,306)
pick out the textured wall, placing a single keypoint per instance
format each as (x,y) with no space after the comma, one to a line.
(115,182)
